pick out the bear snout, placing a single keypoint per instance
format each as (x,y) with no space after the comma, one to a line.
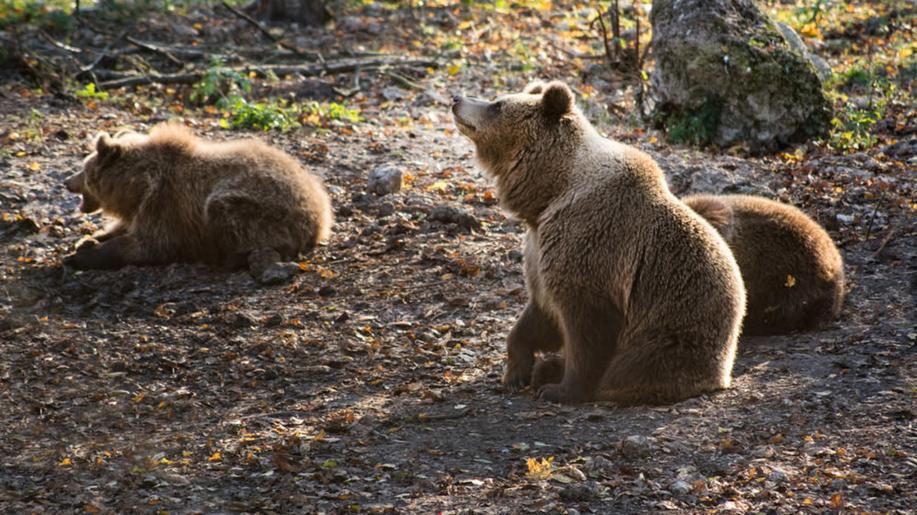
(74,183)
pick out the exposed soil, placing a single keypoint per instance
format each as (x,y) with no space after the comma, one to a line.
(371,382)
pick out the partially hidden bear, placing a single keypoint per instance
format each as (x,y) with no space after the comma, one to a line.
(793,273)
(176,198)
(642,294)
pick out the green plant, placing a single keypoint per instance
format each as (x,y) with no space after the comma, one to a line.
(260,115)
(89,91)
(315,112)
(852,128)
(52,15)
(697,127)
(220,85)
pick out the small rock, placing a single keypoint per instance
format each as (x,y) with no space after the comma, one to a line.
(598,465)
(244,319)
(847,219)
(580,492)
(636,446)
(393,93)
(384,179)
(451,215)
(279,273)
(778,476)
(259,260)
(680,487)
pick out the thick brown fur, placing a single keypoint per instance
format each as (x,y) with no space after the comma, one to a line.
(793,273)
(176,198)
(642,294)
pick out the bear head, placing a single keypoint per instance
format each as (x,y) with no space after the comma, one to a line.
(505,129)
(109,179)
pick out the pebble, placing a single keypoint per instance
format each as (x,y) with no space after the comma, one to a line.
(636,446)
(778,476)
(384,180)
(580,492)
(598,465)
(451,215)
(279,273)
(680,487)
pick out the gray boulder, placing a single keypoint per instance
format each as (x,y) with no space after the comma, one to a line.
(726,74)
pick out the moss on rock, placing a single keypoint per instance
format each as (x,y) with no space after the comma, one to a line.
(725,74)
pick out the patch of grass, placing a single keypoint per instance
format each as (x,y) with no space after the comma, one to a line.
(89,91)
(263,116)
(317,112)
(283,116)
(53,15)
(853,126)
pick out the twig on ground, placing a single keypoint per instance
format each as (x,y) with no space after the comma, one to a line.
(305,70)
(347,93)
(872,217)
(102,54)
(402,80)
(892,229)
(155,49)
(58,44)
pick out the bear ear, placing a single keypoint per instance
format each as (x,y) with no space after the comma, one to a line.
(534,88)
(557,99)
(106,146)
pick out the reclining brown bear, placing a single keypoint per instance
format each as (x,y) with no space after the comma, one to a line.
(793,273)
(176,198)
(643,295)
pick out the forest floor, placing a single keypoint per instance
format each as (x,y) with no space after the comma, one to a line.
(371,381)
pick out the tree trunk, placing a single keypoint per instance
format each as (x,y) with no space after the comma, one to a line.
(304,12)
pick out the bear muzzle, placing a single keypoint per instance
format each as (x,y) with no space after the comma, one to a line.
(468,113)
(76,184)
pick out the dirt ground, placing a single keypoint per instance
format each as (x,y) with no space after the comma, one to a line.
(371,382)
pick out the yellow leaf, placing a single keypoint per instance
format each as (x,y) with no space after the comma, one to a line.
(35,166)
(138,398)
(165,461)
(21,153)
(453,69)
(790,281)
(440,186)
(65,462)
(198,26)
(837,501)
(215,456)
(810,30)
(539,469)
(807,501)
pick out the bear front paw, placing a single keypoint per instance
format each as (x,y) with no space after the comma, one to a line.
(517,375)
(557,393)
(547,371)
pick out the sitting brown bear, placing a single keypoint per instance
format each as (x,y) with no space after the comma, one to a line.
(176,198)
(793,273)
(643,295)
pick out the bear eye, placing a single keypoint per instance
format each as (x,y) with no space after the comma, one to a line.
(496,107)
